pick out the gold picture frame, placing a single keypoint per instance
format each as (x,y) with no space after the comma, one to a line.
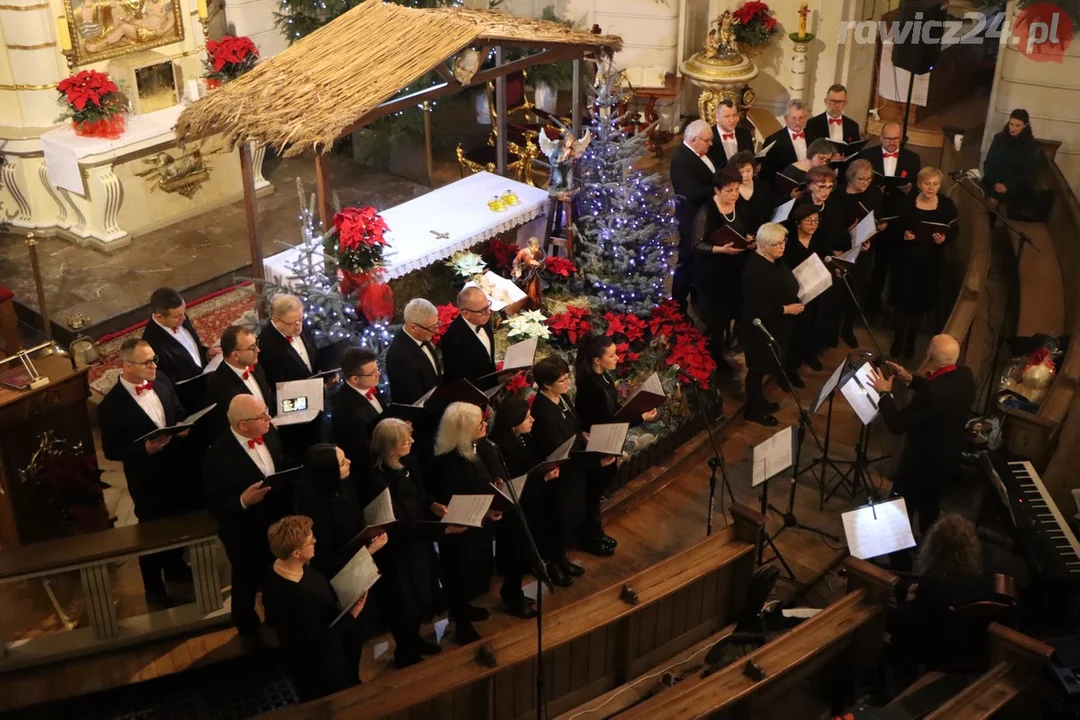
(103,29)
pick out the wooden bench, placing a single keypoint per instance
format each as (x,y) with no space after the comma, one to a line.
(591,645)
(852,625)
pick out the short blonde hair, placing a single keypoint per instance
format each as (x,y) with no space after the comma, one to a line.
(288,535)
(457,429)
(285,303)
(770,235)
(927,172)
(386,436)
(857,166)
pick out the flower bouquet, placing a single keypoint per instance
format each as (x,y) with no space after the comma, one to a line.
(571,324)
(356,245)
(557,270)
(466,264)
(93,104)
(499,253)
(754,25)
(527,325)
(228,58)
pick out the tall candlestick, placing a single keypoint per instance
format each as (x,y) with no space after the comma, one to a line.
(63,34)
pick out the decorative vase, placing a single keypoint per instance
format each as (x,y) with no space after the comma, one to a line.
(110,128)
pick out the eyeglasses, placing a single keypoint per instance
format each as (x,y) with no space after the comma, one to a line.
(823,187)
(812,220)
(151,361)
(842,101)
(299,322)
(432,330)
(890,139)
(481,311)
(264,416)
(370,374)
(249,348)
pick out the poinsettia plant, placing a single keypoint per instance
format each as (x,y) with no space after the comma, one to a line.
(754,24)
(499,253)
(229,58)
(571,324)
(89,96)
(356,245)
(447,314)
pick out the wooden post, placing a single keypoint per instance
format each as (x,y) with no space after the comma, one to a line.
(576,107)
(500,114)
(427,144)
(247,176)
(324,191)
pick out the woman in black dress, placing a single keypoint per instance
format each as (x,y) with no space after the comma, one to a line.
(324,494)
(818,154)
(803,241)
(597,402)
(920,260)
(772,296)
(409,585)
(754,203)
(1009,168)
(467,561)
(860,198)
(831,235)
(300,604)
(716,267)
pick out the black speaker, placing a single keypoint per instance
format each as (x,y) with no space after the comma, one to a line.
(915,46)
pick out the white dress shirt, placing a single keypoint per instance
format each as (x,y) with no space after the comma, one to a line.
(260,454)
(373,400)
(184,338)
(427,351)
(704,158)
(799,144)
(836,131)
(297,344)
(250,383)
(889,163)
(481,336)
(149,401)
(731,146)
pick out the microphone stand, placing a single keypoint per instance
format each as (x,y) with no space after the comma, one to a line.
(716,462)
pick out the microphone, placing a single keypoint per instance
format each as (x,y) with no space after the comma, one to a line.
(762,328)
(685,375)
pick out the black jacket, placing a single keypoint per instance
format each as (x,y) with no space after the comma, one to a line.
(173,358)
(467,559)
(782,154)
(908,165)
(744,140)
(934,422)
(567,493)
(597,401)
(1011,162)
(692,182)
(165,483)
(280,362)
(352,419)
(337,518)
(818,126)
(767,288)
(409,370)
(464,356)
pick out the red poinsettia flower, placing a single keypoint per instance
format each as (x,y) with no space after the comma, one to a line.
(86,87)
(359,226)
(516,383)
(230,50)
(628,325)
(447,314)
(500,253)
(571,324)
(563,267)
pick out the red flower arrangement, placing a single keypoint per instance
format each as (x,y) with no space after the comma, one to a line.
(516,384)
(229,58)
(754,24)
(571,324)
(499,253)
(560,266)
(358,250)
(93,103)
(689,347)
(628,325)
(447,314)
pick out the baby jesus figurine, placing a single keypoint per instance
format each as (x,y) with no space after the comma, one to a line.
(526,271)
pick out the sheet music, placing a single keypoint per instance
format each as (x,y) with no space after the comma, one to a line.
(861,394)
(355,579)
(765,150)
(852,255)
(179,427)
(607,438)
(192,419)
(814,278)
(380,511)
(467,510)
(878,529)
(863,231)
(290,393)
(781,213)
(520,355)
(210,367)
(519,487)
(773,456)
(651,385)
(827,388)
(563,451)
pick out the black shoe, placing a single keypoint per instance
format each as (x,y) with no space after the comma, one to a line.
(477,614)
(404,660)
(849,337)
(783,384)
(597,546)
(813,363)
(609,540)
(772,407)
(521,608)
(571,568)
(834,342)
(558,575)
(465,633)
(761,419)
(156,602)
(428,648)
(796,380)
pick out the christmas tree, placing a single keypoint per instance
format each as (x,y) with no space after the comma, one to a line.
(297,18)
(624,223)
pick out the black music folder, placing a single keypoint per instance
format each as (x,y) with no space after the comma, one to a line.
(784,185)
(925,230)
(729,235)
(647,397)
(891,182)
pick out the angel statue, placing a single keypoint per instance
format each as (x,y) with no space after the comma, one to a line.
(561,152)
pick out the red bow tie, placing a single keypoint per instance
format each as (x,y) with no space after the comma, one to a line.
(289,339)
(255,441)
(146,386)
(836,121)
(798,135)
(700,155)
(891,155)
(371,393)
(248,372)
(728,136)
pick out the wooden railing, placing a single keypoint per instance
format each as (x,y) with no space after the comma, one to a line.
(92,555)
(591,645)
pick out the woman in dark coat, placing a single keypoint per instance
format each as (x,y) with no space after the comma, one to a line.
(772,295)
(597,402)
(300,605)
(716,267)
(803,241)
(818,154)
(408,588)
(860,198)
(919,263)
(467,561)
(831,236)
(1009,168)
(754,203)
(326,495)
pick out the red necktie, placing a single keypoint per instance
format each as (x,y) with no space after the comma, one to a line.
(247,373)
(891,155)
(798,136)
(371,393)
(728,136)
(836,121)
(255,441)
(139,389)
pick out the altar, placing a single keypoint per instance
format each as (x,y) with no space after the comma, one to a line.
(436,225)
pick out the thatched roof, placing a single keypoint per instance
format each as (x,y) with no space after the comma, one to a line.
(331,80)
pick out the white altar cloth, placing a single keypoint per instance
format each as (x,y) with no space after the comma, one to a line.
(459,210)
(64,149)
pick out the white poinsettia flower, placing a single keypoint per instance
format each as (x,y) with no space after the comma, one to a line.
(466,264)
(527,325)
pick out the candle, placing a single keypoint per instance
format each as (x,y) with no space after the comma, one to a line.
(803,12)
(63,34)
(203,13)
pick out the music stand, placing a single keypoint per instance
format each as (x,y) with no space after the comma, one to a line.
(878,529)
(826,392)
(863,399)
(767,460)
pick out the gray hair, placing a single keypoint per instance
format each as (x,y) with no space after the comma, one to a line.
(821,146)
(857,166)
(697,128)
(386,436)
(770,235)
(419,310)
(244,407)
(470,293)
(457,429)
(794,104)
(285,303)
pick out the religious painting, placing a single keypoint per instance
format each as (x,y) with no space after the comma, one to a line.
(102,29)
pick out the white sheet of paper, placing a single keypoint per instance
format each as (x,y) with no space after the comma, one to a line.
(652,385)
(520,355)
(467,510)
(353,580)
(863,231)
(380,511)
(861,395)
(210,367)
(828,387)
(781,213)
(519,487)
(312,389)
(192,419)
(814,278)
(563,451)
(505,291)
(607,438)
(878,530)
(765,150)
(773,456)
(852,255)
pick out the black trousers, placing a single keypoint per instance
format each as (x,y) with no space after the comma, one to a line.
(905,332)
(154,566)
(248,574)
(755,393)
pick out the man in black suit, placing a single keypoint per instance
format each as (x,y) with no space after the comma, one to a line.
(242,504)
(181,354)
(468,346)
(889,160)
(239,374)
(934,422)
(160,476)
(791,141)
(728,137)
(691,178)
(357,406)
(833,124)
(413,365)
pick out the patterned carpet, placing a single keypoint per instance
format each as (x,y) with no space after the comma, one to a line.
(210,315)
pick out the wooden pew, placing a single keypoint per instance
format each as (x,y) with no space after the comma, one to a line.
(852,625)
(590,646)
